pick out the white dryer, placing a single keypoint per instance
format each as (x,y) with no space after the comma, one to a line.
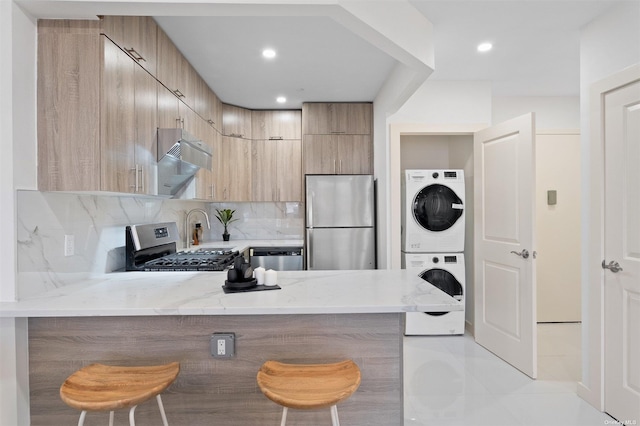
(433,211)
(445,271)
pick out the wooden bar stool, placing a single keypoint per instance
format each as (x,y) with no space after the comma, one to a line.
(308,386)
(99,387)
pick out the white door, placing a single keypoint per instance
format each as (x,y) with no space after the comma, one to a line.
(622,250)
(505,282)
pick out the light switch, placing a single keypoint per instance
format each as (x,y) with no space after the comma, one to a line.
(552,197)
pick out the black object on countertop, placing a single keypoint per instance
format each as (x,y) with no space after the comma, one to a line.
(260,287)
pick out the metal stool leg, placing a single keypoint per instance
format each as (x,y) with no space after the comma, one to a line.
(334,416)
(132,412)
(284,416)
(161,407)
(111,415)
(82,416)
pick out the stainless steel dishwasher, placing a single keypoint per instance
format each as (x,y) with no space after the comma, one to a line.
(277,258)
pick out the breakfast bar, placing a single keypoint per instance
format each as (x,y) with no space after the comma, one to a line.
(133,318)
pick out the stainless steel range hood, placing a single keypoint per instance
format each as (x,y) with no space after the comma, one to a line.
(180,156)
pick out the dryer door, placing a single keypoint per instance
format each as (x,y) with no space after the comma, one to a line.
(445,281)
(437,208)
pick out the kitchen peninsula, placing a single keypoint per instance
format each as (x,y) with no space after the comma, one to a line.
(153,317)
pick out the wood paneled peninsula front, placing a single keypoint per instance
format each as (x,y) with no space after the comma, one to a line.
(136,318)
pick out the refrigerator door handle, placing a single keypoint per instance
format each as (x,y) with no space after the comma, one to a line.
(309,251)
(310,211)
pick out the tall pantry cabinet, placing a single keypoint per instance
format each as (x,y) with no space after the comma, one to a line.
(276,155)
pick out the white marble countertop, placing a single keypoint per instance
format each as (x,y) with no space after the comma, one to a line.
(201,293)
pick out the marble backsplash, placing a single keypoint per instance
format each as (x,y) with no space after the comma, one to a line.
(97,222)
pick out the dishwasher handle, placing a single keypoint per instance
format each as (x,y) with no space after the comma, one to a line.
(276,251)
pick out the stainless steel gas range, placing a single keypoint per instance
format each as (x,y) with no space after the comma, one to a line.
(152,247)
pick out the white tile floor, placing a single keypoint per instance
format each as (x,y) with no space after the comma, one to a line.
(450,380)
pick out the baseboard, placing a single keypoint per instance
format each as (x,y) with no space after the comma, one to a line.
(469,328)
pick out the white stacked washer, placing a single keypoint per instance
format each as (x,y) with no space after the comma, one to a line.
(446,272)
(433,231)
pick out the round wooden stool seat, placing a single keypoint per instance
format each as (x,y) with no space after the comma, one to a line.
(308,386)
(99,387)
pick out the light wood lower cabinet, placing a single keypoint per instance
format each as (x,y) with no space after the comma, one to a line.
(337,154)
(276,170)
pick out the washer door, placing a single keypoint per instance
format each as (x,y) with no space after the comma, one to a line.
(437,208)
(445,281)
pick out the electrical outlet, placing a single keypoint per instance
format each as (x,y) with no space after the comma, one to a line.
(69,245)
(223,345)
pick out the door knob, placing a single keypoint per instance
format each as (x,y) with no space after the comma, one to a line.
(523,254)
(613,266)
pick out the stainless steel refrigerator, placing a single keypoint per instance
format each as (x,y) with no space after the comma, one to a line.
(340,222)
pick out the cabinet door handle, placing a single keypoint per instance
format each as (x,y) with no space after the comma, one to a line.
(212,192)
(275,138)
(141,179)
(178,93)
(135,179)
(135,54)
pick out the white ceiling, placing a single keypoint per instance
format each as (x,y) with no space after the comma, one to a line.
(317,59)
(536,51)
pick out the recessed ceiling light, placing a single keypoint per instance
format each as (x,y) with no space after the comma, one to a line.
(485,47)
(281,99)
(269,53)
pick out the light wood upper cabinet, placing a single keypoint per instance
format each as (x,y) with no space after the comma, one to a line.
(137,35)
(117,127)
(276,170)
(213,112)
(278,124)
(289,171)
(68,126)
(170,65)
(176,73)
(355,154)
(236,121)
(117,131)
(338,154)
(168,109)
(235,170)
(337,118)
(205,179)
(337,138)
(320,155)
(128,125)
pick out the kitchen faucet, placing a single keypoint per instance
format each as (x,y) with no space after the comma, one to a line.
(187,234)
